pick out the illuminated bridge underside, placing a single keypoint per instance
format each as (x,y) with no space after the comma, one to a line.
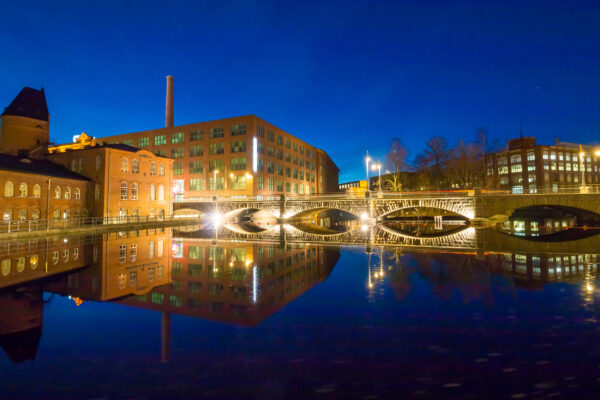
(482,206)
(470,240)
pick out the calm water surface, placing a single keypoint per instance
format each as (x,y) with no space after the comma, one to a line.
(151,315)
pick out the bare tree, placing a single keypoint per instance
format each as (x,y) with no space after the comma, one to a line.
(395,159)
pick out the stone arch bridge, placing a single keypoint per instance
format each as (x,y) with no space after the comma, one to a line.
(473,205)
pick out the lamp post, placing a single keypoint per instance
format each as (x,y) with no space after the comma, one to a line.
(378,167)
(367,162)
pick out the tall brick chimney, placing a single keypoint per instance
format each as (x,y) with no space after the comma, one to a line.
(169,107)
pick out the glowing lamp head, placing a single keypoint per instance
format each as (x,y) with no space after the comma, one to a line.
(248,176)
(581,154)
(597,153)
(231,175)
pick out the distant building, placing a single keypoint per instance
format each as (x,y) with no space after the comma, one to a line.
(354,187)
(526,167)
(125,181)
(24,124)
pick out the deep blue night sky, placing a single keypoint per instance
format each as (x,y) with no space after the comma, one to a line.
(345,76)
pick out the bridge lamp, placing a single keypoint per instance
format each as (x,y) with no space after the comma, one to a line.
(216,218)
(231,175)
(597,153)
(589,288)
(248,175)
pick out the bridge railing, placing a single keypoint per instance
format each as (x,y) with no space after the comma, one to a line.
(564,189)
(29,225)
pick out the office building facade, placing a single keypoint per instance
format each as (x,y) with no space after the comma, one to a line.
(527,167)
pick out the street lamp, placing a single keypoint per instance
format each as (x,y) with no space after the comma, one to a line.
(367,162)
(378,167)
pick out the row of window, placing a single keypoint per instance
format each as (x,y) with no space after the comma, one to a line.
(66,193)
(133,275)
(20,263)
(153,249)
(133,195)
(135,167)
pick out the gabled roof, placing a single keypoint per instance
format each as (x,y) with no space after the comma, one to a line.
(38,167)
(29,103)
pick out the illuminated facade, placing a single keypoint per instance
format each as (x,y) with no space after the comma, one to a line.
(527,167)
(34,190)
(237,157)
(125,181)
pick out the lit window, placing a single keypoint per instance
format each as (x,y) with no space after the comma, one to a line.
(37,191)
(77,194)
(161,193)
(9,189)
(57,192)
(135,167)
(152,192)
(161,170)
(152,169)
(124,191)
(124,165)
(122,253)
(67,193)
(132,251)
(23,190)
(6,264)
(134,191)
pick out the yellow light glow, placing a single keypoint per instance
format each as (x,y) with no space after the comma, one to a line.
(231,175)
(597,153)
(581,154)
(589,288)
(248,176)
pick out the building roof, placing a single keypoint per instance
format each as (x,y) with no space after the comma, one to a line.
(30,103)
(38,167)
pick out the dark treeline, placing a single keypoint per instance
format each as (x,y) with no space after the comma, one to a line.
(438,166)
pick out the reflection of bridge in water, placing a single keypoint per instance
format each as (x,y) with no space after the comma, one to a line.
(467,239)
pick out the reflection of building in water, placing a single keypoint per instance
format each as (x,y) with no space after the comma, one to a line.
(28,260)
(538,226)
(21,323)
(236,282)
(121,264)
(534,270)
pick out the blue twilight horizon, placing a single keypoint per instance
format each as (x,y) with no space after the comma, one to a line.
(346,76)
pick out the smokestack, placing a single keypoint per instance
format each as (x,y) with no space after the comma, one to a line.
(169,107)
(165,337)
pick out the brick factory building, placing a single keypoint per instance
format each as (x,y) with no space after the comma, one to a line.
(526,167)
(235,157)
(125,181)
(39,190)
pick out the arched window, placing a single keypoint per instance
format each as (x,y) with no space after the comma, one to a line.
(135,167)
(67,214)
(37,191)
(124,191)
(152,169)
(97,192)
(9,189)
(98,163)
(161,170)
(6,267)
(161,193)
(23,190)
(134,191)
(124,165)
(152,192)
(67,193)
(77,194)
(57,192)
(56,214)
